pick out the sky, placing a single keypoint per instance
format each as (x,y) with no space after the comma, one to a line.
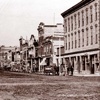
(22,17)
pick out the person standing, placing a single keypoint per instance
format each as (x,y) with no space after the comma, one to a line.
(72,68)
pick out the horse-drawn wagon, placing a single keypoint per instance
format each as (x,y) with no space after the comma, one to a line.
(51,70)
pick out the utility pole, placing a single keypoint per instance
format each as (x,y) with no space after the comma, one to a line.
(59,57)
(26,60)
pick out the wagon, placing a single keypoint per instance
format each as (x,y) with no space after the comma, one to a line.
(51,70)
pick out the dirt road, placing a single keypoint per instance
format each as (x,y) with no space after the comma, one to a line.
(21,86)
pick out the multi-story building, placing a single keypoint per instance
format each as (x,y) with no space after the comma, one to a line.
(82,40)
(32,44)
(6,55)
(50,37)
(24,53)
(15,55)
(27,53)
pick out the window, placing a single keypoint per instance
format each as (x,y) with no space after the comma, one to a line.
(78,19)
(69,41)
(66,42)
(45,50)
(91,14)
(75,20)
(96,34)
(83,37)
(86,16)
(96,11)
(69,24)
(50,49)
(82,18)
(78,38)
(91,34)
(72,39)
(75,41)
(65,21)
(87,37)
(72,23)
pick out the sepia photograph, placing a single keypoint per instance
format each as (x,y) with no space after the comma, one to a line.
(49,49)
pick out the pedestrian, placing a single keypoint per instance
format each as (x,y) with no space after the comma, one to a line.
(72,68)
(69,68)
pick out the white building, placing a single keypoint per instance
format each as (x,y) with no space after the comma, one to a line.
(50,38)
(82,41)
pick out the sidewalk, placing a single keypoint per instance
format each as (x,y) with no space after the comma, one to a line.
(91,75)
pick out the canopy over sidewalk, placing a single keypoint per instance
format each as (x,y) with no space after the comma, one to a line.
(43,62)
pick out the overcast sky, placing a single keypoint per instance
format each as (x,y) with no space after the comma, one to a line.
(22,17)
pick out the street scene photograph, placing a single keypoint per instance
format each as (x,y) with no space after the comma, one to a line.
(50,50)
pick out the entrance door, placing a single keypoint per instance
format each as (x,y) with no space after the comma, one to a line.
(83,63)
(92,69)
(92,64)
(48,61)
(78,64)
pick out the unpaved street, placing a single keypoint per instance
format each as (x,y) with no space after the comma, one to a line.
(14,86)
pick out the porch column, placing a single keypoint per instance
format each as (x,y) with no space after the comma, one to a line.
(89,65)
(95,65)
(81,64)
(26,62)
(39,66)
(85,63)
(66,65)
(98,67)
(31,65)
(76,66)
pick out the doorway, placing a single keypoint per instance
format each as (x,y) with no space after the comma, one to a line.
(92,64)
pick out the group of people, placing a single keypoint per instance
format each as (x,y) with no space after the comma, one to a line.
(67,69)
(70,69)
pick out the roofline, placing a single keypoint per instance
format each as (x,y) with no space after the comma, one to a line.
(50,25)
(76,7)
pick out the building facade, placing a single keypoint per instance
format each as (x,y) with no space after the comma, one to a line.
(49,39)
(6,55)
(82,40)
(28,54)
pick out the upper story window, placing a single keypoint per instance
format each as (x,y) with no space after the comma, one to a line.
(72,39)
(86,16)
(96,34)
(79,19)
(87,37)
(45,49)
(75,40)
(75,21)
(50,47)
(65,22)
(82,18)
(83,37)
(91,14)
(78,38)
(91,34)
(68,41)
(96,14)
(68,24)
(71,22)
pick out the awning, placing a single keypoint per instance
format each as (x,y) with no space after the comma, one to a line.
(43,62)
